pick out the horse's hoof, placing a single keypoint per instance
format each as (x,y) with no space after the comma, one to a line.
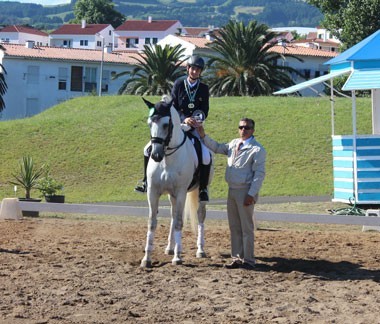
(146,264)
(169,252)
(201,255)
(176,262)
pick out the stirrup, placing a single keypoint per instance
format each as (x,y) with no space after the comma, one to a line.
(141,188)
(203,195)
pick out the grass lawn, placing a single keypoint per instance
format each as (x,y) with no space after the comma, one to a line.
(94,144)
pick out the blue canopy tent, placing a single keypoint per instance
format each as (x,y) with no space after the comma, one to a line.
(356,158)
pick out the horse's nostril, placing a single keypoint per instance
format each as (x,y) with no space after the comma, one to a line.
(157,157)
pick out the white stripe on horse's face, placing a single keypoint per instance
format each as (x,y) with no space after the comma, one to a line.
(159,131)
(159,127)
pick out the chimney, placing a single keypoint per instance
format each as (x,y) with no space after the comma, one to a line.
(83,23)
(149,19)
(29,44)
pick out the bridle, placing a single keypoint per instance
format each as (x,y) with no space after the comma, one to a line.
(165,141)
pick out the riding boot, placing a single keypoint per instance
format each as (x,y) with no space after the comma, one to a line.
(203,181)
(142,186)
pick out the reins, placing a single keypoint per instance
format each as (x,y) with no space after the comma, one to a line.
(166,141)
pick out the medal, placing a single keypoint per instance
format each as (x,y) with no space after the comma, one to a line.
(191,94)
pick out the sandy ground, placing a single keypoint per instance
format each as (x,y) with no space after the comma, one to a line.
(87,271)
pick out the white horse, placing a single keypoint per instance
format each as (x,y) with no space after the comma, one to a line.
(171,168)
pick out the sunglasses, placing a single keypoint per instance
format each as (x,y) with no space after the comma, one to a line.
(245,127)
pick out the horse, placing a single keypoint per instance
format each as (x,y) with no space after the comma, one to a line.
(171,168)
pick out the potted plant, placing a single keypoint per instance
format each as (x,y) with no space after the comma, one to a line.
(27,177)
(50,188)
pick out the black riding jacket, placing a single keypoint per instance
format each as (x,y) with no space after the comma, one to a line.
(181,98)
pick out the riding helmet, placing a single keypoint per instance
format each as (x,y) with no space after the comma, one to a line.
(197,61)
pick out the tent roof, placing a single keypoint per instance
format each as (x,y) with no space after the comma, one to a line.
(367,49)
(312,82)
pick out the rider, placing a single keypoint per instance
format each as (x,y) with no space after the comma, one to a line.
(191,99)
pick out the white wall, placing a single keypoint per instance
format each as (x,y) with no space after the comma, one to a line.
(28,94)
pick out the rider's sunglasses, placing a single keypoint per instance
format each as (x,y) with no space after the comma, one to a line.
(245,127)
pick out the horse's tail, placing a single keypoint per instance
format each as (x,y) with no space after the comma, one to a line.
(191,208)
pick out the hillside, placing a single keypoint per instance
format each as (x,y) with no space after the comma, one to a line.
(94,145)
(195,13)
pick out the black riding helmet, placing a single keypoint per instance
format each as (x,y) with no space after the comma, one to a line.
(197,61)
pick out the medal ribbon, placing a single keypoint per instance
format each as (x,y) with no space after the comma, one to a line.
(191,94)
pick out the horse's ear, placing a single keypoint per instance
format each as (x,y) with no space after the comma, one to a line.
(148,103)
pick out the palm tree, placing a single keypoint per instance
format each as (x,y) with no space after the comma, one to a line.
(157,69)
(3,84)
(244,64)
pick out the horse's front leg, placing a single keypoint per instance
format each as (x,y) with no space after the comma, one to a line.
(201,230)
(178,225)
(171,242)
(146,262)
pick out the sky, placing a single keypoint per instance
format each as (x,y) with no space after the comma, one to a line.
(43,2)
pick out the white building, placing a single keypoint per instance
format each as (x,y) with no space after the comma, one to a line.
(41,77)
(311,67)
(20,35)
(84,36)
(134,34)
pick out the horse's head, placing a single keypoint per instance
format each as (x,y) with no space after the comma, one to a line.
(161,126)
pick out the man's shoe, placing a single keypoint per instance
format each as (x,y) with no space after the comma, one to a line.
(248,266)
(141,188)
(235,264)
(203,195)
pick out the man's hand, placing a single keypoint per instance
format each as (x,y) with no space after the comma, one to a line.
(249,200)
(201,131)
(191,121)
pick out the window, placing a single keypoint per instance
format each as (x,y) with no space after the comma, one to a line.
(62,78)
(99,43)
(83,42)
(90,79)
(147,40)
(155,40)
(131,42)
(76,78)
(317,74)
(33,74)
(105,80)
(307,74)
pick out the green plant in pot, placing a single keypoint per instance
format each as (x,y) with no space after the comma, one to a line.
(50,188)
(27,175)
(27,178)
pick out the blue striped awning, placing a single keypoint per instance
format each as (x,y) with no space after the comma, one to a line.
(312,82)
(363,79)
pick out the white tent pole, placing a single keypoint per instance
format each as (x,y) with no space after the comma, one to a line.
(355,162)
(332,107)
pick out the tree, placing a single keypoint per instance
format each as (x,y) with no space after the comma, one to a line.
(3,84)
(97,12)
(157,69)
(349,20)
(244,64)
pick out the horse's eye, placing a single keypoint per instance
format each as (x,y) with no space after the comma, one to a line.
(165,126)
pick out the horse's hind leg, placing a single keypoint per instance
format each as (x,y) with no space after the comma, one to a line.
(201,231)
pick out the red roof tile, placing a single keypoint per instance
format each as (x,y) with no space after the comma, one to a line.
(23,29)
(200,42)
(75,29)
(145,25)
(67,54)
(302,51)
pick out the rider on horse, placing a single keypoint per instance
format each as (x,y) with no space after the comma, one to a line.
(191,99)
